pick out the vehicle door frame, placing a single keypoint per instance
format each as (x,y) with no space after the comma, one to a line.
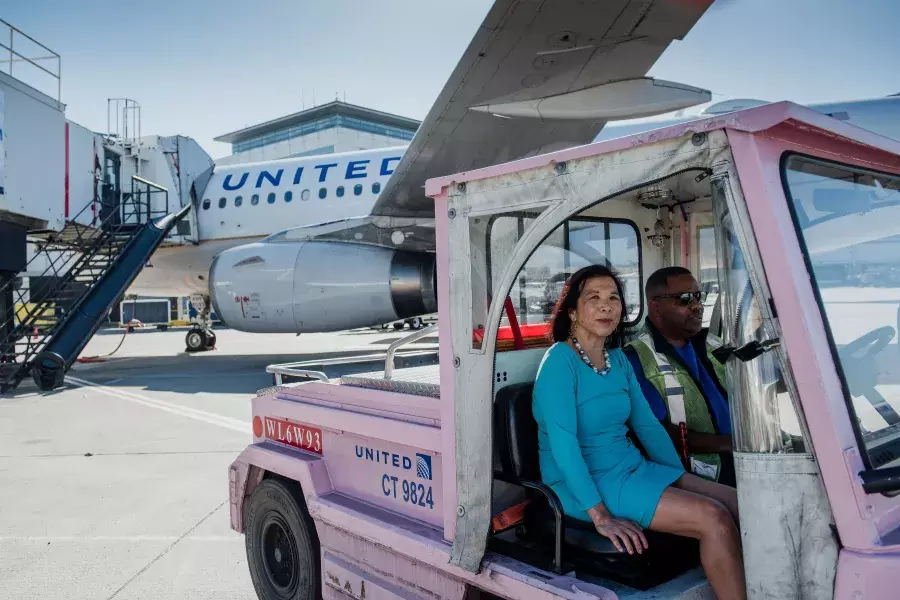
(862,520)
(467,371)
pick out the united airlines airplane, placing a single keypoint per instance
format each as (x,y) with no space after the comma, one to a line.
(355,233)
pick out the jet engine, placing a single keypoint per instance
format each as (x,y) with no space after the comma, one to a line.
(315,286)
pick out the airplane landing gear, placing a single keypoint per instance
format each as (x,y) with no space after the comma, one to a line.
(198,340)
(200,337)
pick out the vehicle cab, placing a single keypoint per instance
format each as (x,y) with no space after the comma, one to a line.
(423,482)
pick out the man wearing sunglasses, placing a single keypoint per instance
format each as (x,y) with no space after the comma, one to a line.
(682,381)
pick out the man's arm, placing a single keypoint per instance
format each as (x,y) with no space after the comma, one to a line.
(699,443)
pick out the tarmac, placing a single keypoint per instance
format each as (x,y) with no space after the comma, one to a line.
(116,486)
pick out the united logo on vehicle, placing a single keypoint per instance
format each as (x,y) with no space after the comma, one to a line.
(294,434)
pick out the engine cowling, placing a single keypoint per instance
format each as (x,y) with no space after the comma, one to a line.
(306,287)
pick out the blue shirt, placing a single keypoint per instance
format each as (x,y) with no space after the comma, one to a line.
(708,388)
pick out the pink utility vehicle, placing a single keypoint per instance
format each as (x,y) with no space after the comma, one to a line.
(423,481)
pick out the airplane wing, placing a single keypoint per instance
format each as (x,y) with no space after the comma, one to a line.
(541,75)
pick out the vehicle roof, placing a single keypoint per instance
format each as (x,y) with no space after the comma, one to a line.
(778,118)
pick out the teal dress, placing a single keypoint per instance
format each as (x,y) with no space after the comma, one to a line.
(585,456)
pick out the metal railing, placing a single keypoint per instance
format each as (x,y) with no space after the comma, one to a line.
(8,35)
(392,349)
(64,256)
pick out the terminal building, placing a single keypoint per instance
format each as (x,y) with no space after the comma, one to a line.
(326,129)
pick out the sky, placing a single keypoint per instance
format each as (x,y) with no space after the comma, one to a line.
(202,68)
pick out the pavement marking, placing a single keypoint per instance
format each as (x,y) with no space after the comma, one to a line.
(170,407)
(119,538)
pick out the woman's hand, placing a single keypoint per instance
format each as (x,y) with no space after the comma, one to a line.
(621,532)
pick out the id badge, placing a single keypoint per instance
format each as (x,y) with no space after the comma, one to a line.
(702,469)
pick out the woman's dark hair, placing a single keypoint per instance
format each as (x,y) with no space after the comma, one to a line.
(561,322)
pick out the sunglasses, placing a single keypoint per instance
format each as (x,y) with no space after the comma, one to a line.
(685,298)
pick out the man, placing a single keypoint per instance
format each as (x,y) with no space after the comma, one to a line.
(682,381)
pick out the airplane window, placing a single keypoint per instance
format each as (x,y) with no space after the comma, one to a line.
(323,192)
(222,202)
(238,200)
(288,196)
(376,187)
(304,195)
(340,191)
(271,198)
(357,190)
(206,204)
(254,199)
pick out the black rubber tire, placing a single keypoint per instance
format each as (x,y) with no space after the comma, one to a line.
(210,339)
(48,371)
(398,326)
(195,340)
(275,524)
(416,323)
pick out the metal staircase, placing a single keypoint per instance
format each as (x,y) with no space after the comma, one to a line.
(74,278)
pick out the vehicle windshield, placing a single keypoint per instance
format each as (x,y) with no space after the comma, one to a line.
(849,222)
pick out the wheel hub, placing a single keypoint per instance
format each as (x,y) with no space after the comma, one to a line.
(280,555)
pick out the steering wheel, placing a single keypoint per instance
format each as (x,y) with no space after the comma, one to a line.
(861,372)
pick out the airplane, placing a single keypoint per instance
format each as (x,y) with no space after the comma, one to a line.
(530,82)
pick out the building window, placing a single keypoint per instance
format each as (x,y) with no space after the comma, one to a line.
(288,196)
(271,198)
(304,195)
(339,191)
(254,199)
(357,190)
(376,187)
(323,192)
(238,200)
(206,204)
(222,202)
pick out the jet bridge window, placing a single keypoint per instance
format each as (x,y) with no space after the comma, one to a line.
(206,204)
(339,191)
(357,190)
(238,200)
(323,193)
(288,196)
(222,202)
(376,187)
(271,198)
(254,199)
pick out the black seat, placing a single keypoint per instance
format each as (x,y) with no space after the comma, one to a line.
(573,540)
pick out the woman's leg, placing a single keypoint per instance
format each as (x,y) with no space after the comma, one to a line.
(724,494)
(693,515)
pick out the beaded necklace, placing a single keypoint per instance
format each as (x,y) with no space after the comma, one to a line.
(587,359)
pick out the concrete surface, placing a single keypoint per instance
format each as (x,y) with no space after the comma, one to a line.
(115,487)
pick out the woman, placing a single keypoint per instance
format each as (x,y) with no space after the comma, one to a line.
(586,397)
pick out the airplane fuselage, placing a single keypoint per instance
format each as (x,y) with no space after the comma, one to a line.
(244,203)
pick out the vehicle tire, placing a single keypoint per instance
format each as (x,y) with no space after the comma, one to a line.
(195,340)
(282,547)
(210,338)
(48,371)
(416,323)
(130,329)
(398,326)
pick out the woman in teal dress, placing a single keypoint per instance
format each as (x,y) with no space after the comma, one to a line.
(586,398)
